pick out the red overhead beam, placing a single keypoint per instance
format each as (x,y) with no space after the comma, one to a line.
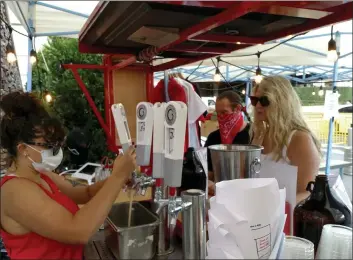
(234,11)
(203,50)
(212,4)
(180,62)
(87,48)
(92,18)
(343,14)
(226,39)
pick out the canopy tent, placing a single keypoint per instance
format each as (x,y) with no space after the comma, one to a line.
(42,19)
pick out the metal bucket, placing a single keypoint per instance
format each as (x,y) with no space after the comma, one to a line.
(135,242)
(235,161)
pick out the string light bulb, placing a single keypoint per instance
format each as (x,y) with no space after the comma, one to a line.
(313,93)
(217,76)
(258,76)
(321,91)
(33,56)
(243,91)
(10,54)
(332,54)
(48,98)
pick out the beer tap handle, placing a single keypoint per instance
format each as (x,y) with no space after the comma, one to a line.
(175,128)
(158,142)
(122,126)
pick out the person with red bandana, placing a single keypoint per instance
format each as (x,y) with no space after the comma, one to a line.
(233,129)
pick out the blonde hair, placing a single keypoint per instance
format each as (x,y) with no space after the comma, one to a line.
(284,114)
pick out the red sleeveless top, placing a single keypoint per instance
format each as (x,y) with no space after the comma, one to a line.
(35,246)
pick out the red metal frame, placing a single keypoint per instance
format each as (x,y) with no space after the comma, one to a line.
(230,11)
(107,126)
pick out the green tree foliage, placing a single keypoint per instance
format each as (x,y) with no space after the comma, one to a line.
(305,94)
(69,103)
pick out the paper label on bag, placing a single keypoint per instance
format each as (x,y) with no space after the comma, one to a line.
(331,105)
(262,236)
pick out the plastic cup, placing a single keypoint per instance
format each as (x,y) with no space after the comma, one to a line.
(297,248)
(335,243)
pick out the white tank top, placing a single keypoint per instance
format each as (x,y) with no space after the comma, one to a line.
(270,156)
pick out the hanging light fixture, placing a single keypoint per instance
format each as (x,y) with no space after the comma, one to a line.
(321,91)
(217,75)
(10,54)
(10,50)
(332,54)
(243,91)
(33,56)
(48,97)
(258,75)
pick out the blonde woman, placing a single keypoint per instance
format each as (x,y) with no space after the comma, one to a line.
(279,126)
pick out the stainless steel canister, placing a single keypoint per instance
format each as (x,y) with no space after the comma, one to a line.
(235,161)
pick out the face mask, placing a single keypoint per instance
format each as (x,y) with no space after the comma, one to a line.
(229,126)
(49,161)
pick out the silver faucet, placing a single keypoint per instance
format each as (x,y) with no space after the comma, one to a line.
(141,182)
(191,204)
(161,206)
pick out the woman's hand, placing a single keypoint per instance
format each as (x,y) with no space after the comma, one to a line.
(211,188)
(125,164)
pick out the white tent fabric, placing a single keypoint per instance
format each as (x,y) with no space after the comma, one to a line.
(68,16)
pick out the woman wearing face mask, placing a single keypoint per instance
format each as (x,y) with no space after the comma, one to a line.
(279,126)
(232,127)
(40,218)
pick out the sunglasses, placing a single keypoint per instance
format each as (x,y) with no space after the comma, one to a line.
(54,147)
(263,101)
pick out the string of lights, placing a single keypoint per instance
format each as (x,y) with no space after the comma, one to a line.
(10,50)
(332,56)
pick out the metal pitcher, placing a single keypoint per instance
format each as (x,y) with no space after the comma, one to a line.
(235,161)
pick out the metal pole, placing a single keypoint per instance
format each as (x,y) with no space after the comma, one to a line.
(247,93)
(332,120)
(227,72)
(166,82)
(30,44)
(194,224)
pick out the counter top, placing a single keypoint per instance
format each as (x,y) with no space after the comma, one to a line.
(97,249)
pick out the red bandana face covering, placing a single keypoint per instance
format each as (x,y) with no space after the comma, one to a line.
(229,126)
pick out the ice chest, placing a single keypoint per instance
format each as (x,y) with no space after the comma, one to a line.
(135,242)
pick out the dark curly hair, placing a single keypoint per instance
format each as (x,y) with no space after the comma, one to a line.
(25,119)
